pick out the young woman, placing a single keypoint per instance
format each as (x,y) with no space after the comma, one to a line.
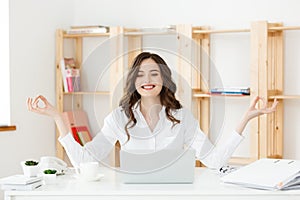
(149,118)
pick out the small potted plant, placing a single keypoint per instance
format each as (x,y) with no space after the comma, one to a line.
(30,168)
(49,176)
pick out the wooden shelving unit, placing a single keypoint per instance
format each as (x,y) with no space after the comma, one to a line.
(78,40)
(194,44)
(116,68)
(266,81)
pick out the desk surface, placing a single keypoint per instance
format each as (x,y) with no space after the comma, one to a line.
(207,185)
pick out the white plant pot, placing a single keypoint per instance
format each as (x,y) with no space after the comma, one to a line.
(49,179)
(30,171)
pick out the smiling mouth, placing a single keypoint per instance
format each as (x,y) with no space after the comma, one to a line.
(148,87)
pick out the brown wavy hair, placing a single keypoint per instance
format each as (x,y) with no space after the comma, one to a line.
(167,94)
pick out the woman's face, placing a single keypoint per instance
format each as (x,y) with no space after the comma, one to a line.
(149,81)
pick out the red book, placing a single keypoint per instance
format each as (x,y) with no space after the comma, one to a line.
(81,134)
(77,122)
(75,135)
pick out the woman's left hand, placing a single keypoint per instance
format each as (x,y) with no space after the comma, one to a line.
(253,111)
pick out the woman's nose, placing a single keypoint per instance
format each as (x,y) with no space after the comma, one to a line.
(147,79)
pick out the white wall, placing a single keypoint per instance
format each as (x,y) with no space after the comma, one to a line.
(33,25)
(32,46)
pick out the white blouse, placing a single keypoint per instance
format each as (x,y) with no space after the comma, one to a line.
(183,135)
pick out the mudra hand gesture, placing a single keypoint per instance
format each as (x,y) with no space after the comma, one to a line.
(253,112)
(34,105)
(45,109)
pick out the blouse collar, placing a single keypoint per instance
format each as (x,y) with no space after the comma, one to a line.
(137,105)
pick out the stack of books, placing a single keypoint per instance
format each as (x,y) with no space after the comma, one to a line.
(231,91)
(87,29)
(20,182)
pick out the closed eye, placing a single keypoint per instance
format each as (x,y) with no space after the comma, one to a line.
(140,74)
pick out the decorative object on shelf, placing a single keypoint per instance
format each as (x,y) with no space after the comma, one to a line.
(30,168)
(70,74)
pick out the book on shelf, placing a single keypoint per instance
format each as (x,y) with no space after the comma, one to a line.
(73,79)
(70,75)
(87,29)
(231,91)
(81,134)
(78,125)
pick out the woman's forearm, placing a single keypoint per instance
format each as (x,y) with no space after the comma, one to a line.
(241,126)
(61,125)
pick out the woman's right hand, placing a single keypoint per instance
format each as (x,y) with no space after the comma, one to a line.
(47,109)
(34,105)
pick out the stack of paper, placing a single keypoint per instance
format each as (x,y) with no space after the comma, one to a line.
(20,182)
(269,174)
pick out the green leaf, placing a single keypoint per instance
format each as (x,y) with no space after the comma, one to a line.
(31,163)
(49,171)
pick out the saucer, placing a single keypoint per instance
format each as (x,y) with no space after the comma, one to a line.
(98,177)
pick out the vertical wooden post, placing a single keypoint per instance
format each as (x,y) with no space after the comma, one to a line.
(116,74)
(184,68)
(77,99)
(259,32)
(134,47)
(275,86)
(204,52)
(59,86)
(267,63)
(201,78)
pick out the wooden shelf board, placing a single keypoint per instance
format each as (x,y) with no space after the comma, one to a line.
(284,97)
(282,28)
(222,31)
(149,33)
(85,35)
(137,33)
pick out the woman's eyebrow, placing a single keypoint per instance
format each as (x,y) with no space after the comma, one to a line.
(154,70)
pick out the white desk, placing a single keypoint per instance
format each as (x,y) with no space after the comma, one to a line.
(207,185)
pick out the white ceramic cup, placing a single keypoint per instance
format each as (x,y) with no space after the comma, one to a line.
(88,171)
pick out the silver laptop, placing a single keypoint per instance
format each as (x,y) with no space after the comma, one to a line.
(165,166)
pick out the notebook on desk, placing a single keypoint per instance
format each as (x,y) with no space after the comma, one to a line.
(269,174)
(165,166)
